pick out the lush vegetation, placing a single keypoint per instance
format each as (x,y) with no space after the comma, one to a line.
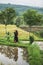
(41,52)
(30,18)
(34,55)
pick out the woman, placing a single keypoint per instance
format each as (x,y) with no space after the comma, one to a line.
(16,36)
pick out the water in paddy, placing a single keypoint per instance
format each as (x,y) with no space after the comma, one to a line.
(13,56)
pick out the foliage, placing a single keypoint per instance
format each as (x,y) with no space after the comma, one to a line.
(18,21)
(31,17)
(41,52)
(41,34)
(34,55)
(31,39)
(7,15)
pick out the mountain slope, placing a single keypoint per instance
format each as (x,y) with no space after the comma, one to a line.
(20,8)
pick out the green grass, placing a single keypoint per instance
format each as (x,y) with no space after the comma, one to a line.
(10,43)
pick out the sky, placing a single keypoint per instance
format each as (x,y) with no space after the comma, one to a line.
(35,3)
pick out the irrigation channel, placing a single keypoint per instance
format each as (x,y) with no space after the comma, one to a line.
(13,55)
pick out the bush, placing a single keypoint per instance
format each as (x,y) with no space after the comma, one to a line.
(34,55)
(31,38)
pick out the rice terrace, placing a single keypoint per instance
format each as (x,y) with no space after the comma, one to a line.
(21,34)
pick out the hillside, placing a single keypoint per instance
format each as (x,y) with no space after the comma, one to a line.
(22,34)
(20,8)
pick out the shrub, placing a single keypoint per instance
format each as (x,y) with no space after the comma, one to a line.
(34,55)
(31,38)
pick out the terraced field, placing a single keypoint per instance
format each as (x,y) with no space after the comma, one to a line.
(11,28)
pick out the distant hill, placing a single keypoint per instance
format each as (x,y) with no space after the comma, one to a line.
(20,8)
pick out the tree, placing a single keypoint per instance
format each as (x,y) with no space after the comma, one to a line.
(39,18)
(8,14)
(1,18)
(31,17)
(18,21)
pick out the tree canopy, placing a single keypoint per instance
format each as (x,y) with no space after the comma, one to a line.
(31,17)
(7,16)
